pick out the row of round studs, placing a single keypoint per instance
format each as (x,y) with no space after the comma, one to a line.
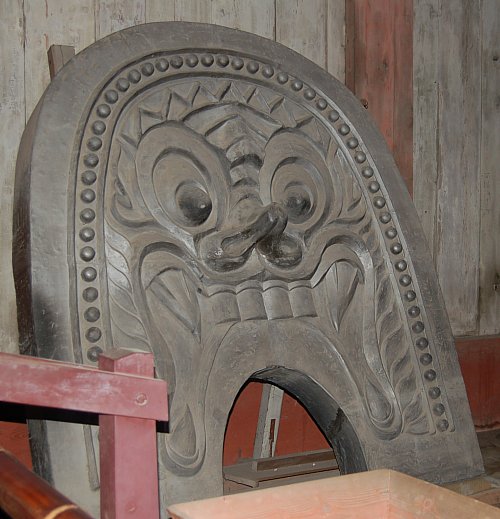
(147,69)
(400,265)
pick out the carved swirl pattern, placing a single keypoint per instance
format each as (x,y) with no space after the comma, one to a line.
(177,150)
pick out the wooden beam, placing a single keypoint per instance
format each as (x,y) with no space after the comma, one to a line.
(47,383)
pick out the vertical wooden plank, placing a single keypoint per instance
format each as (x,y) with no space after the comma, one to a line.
(403,90)
(335,38)
(301,25)
(255,16)
(60,22)
(114,15)
(193,11)
(160,10)
(12,119)
(268,424)
(458,158)
(380,70)
(489,303)
(425,115)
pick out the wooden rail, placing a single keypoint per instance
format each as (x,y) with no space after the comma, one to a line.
(129,402)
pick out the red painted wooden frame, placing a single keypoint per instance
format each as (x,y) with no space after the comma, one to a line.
(128,400)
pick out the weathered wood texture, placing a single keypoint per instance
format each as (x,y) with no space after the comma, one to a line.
(29,27)
(379,70)
(456,154)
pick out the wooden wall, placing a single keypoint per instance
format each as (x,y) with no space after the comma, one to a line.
(315,28)
(456,87)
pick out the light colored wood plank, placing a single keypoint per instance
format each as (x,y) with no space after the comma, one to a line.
(335,38)
(489,304)
(160,10)
(458,158)
(193,11)
(59,22)
(256,16)
(425,115)
(12,118)
(301,25)
(268,423)
(114,15)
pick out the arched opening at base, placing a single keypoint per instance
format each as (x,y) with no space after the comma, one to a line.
(297,431)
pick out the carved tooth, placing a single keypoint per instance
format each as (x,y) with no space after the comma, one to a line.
(251,304)
(302,302)
(277,303)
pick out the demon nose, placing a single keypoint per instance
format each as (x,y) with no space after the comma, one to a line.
(269,224)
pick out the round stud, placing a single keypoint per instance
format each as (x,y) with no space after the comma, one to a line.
(99,127)
(191,60)
(222,61)
(418,327)
(367,172)
(352,143)
(321,104)
(111,96)
(94,143)
(122,84)
(267,71)
(426,359)
(405,280)
(379,202)
(237,63)
(396,248)
(414,311)
(430,375)
(91,160)
(385,217)
(89,177)
(282,78)
(422,343)
(87,234)
(373,187)
(360,157)
(134,76)
(87,215)
(87,253)
(89,274)
(391,233)
(93,353)
(344,129)
(438,409)
(90,294)
(176,62)
(103,110)
(252,67)
(333,116)
(161,65)
(87,196)
(434,392)
(297,85)
(401,265)
(92,314)
(147,69)
(207,60)
(442,425)
(309,94)
(410,295)
(93,334)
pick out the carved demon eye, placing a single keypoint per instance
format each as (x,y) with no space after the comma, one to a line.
(193,202)
(298,202)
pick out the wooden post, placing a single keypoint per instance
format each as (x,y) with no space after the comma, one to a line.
(128,454)
(58,56)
